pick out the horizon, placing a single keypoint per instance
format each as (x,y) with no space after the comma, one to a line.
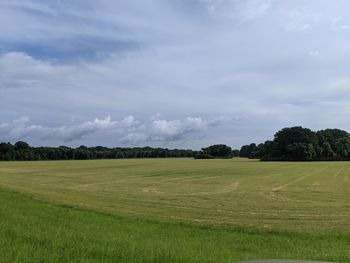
(171,74)
(169,148)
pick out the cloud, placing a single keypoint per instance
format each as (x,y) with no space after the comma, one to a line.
(338,24)
(172,130)
(264,64)
(300,20)
(314,53)
(77,132)
(243,11)
(19,70)
(65,31)
(126,131)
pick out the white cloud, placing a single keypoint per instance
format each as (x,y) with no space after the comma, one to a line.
(314,53)
(300,20)
(338,24)
(173,130)
(21,129)
(254,9)
(243,11)
(265,64)
(128,130)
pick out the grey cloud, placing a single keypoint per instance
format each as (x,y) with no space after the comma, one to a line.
(174,130)
(264,64)
(126,131)
(19,70)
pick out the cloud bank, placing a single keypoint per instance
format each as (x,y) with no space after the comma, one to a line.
(127,131)
(265,64)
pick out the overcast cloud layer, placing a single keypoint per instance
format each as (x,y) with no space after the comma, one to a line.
(171,73)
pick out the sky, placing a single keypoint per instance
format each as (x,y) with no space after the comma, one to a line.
(171,73)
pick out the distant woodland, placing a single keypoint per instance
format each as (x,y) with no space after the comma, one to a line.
(288,144)
(22,151)
(302,144)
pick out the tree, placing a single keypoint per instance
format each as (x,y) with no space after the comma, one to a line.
(331,135)
(333,144)
(294,143)
(202,155)
(301,152)
(7,151)
(247,150)
(21,146)
(327,152)
(235,153)
(216,151)
(258,151)
(23,151)
(292,135)
(342,148)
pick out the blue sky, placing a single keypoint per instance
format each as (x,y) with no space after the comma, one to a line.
(171,73)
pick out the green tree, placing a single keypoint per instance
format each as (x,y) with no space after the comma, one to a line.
(20,145)
(218,151)
(248,150)
(327,153)
(342,148)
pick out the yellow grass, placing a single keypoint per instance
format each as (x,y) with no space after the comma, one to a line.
(238,192)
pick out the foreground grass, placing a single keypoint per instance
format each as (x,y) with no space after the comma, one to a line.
(265,195)
(33,231)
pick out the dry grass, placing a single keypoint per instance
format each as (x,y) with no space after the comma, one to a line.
(238,192)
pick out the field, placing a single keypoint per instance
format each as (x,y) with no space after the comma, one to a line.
(173,210)
(215,192)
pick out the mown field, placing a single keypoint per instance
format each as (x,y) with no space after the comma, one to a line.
(173,210)
(217,192)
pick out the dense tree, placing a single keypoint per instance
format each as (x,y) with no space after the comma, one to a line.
(333,144)
(235,153)
(7,151)
(327,152)
(258,151)
(21,146)
(300,152)
(302,144)
(331,135)
(289,144)
(215,151)
(294,139)
(22,151)
(247,150)
(342,148)
(202,155)
(218,150)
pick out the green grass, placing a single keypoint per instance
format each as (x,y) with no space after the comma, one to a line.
(33,231)
(173,210)
(294,196)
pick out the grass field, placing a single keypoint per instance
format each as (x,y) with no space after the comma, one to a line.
(173,210)
(32,231)
(216,192)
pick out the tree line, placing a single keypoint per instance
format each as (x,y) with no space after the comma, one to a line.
(22,151)
(289,144)
(301,144)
